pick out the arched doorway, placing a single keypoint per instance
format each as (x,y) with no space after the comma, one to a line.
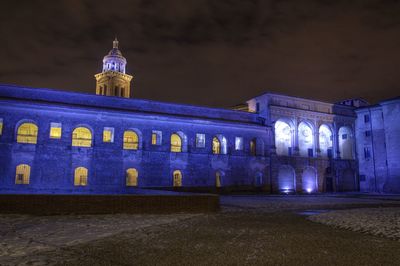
(309,180)
(286,179)
(325,141)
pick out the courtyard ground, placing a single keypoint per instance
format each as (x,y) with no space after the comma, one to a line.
(249,230)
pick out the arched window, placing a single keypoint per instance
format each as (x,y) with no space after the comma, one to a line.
(27,133)
(216,146)
(283,138)
(131,177)
(218,180)
(81,137)
(22,174)
(346,143)
(253,147)
(176,143)
(220,145)
(177,176)
(131,140)
(325,140)
(306,140)
(80,176)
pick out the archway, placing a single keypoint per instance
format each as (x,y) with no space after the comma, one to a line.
(306,140)
(325,141)
(309,180)
(286,179)
(283,138)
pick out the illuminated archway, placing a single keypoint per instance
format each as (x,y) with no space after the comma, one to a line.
(22,174)
(131,140)
(346,143)
(286,179)
(306,139)
(27,133)
(325,140)
(309,180)
(80,176)
(283,137)
(81,137)
(131,177)
(177,178)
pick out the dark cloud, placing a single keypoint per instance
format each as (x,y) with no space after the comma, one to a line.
(208,52)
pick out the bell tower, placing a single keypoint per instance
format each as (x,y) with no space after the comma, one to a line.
(113,81)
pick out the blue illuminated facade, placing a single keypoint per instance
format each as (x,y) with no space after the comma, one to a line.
(53,161)
(64,142)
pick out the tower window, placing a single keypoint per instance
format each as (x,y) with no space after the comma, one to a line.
(22,174)
(108,134)
(200,140)
(368,133)
(27,133)
(156,137)
(55,130)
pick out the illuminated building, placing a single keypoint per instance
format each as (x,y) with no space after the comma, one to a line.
(378,146)
(64,142)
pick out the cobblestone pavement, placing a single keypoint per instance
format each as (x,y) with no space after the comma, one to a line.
(250,230)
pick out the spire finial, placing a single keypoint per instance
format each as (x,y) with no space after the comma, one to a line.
(115,43)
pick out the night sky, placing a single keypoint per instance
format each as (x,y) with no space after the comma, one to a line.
(208,52)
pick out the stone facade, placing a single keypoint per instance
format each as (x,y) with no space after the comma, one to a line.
(64,142)
(378,146)
(311,143)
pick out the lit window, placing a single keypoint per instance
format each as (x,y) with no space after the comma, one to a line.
(156,137)
(176,143)
(131,177)
(22,174)
(239,143)
(1,126)
(218,179)
(131,140)
(55,130)
(200,140)
(80,177)
(108,134)
(216,146)
(177,175)
(253,147)
(81,137)
(27,133)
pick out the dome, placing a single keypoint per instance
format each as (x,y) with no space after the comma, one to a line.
(114,61)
